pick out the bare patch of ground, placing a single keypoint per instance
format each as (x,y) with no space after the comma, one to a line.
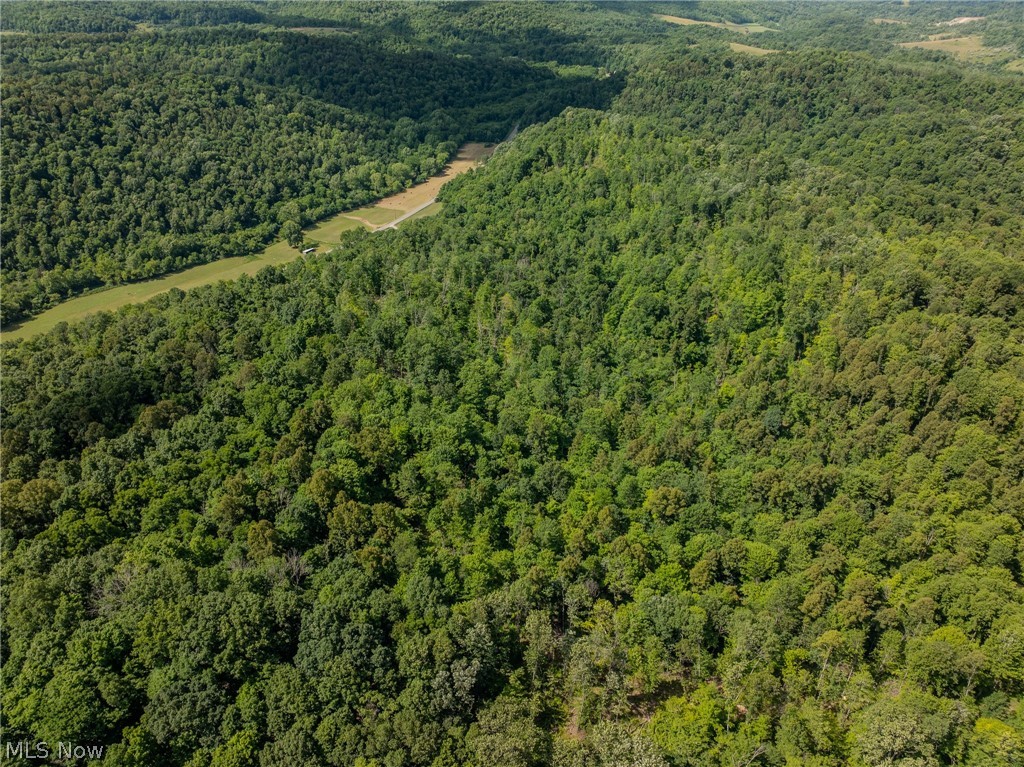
(468,157)
(959,20)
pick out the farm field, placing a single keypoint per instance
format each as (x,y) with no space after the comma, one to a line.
(745,29)
(331,229)
(391,209)
(372,215)
(966,48)
(137,292)
(327,233)
(467,158)
(753,50)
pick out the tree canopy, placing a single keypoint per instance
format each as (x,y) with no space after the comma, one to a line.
(689,433)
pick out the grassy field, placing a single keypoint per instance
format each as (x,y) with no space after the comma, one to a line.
(326,234)
(373,215)
(967,48)
(137,292)
(745,29)
(753,50)
(331,229)
(430,210)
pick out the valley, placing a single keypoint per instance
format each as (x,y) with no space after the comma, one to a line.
(414,202)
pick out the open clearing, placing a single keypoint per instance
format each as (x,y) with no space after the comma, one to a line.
(466,159)
(373,215)
(331,229)
(968,48)
(743,28)
(415,202)
(137,292)
(960,20)
(753,50)
(404,206)
(430,210)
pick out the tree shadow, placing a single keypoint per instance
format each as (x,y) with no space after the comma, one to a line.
(462,96)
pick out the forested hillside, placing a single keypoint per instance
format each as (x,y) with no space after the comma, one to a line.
(690,433)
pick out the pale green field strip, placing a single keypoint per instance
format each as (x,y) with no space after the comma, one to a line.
(753,50)
(373,215)
(745,29)
(970,48)
(112,298)
(326,234)
(430,210)
(331,229)
(108,299)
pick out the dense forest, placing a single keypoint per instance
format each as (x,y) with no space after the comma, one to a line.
(690,433)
